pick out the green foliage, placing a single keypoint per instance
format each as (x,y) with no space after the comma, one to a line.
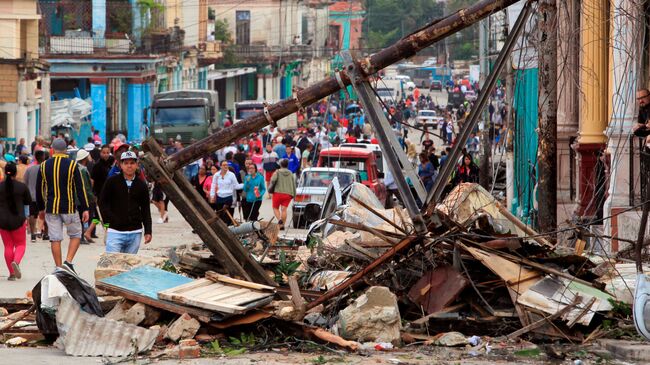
(528,352)
(222,31)
(389,20)
(319,360)
(239,345)
(169,267)
(211,14)
(285,268)
(149,11)
(120,20)
(620,309)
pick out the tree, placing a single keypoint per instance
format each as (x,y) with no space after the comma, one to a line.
(222,33)
(389,20)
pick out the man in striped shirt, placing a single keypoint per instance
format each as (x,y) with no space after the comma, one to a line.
(58,184)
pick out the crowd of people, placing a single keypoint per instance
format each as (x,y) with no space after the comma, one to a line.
(53,184)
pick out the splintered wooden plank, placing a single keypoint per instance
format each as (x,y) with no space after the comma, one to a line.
(244,298)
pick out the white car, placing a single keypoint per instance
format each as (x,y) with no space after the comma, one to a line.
(311,190)
(427,118)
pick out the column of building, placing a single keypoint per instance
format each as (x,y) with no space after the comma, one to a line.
(624,63)
(567,112)
(593,101)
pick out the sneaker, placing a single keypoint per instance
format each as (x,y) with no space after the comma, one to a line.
(160,221)
(46,237)
(68,266)
(17,273)
(11,278)
(33,238)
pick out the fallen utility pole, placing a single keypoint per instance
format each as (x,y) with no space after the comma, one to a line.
(404,48)
(475,113)
(165,170)
(547,109)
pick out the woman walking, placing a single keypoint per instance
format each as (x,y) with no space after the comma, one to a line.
(14,195)
(269,163)
(254,188)
(201,183)
(283,188)
(222,192)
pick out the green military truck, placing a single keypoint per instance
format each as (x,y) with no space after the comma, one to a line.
(190,114)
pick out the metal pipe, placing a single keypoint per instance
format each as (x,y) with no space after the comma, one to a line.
(475,113)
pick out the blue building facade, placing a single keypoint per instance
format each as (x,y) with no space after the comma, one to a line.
(115,55)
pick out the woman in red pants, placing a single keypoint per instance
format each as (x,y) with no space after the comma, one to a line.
(14,197)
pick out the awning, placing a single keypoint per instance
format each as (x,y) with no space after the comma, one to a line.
(230,72)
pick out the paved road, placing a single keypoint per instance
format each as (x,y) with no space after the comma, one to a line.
(38,259)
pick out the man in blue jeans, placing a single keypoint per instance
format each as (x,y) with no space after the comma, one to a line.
(124,204)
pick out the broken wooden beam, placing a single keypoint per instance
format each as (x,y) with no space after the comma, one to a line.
(220,240)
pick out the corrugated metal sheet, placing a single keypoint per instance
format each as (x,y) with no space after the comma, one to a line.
(83,334)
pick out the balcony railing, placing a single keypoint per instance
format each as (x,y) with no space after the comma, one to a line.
(254,52)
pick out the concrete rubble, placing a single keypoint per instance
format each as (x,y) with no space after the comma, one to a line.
(185,327)
(373,316)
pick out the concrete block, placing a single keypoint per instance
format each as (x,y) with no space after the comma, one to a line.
(374,316)
(135,314)
(628,350)
(184,327)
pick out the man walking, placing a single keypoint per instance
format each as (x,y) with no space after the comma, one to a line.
(124,204)
(30,178)
(58,184)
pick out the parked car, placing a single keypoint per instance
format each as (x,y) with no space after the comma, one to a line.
(358,159)
(311,190)
(470,95)
(435,85)
(428,118)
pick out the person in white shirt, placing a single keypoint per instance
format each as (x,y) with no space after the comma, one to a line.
(222,192)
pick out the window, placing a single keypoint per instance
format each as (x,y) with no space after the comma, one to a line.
(243,27)
(334,36)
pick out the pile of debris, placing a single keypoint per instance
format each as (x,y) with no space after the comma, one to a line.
(362,280)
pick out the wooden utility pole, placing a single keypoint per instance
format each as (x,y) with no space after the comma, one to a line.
(547,112)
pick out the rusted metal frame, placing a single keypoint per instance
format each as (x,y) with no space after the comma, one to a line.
(405,243)
(387,141)
(404,48)
(474,115)
(378,214)
(223,244)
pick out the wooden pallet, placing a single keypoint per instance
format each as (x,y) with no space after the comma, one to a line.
(220,293)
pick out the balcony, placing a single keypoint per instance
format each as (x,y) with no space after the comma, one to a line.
(66,28)
(262,52)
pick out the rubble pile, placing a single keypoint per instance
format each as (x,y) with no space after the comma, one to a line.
(362,280)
